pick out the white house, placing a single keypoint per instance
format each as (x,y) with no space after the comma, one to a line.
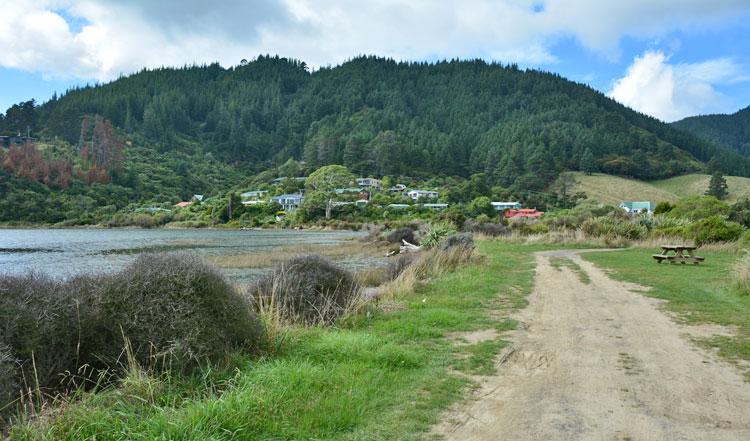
(253,197)
(289,202)
(418,194)
(502,206)
(369,183)
(398,188)
(635,207)
(436,207)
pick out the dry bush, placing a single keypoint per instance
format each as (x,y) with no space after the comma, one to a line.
(176,308)
(308,290)
(396,236)
(176,311)
(9,385)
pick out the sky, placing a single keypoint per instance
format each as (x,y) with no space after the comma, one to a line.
(666,58)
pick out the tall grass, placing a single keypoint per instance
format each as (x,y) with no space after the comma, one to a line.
(741,275)
(429,264)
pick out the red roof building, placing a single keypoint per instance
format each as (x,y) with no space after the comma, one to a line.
(183,204)
(523,212)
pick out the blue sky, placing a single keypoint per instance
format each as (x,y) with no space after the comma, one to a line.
(667,58)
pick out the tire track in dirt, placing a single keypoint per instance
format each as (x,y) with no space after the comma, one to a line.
(599,362)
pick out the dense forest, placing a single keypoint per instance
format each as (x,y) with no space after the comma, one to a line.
(179,131)
(731,131)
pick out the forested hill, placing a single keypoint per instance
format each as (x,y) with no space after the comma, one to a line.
(732,131)
(381,117)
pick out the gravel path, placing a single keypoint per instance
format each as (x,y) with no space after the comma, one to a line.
(599,362)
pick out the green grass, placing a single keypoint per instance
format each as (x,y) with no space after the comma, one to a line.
(613,189)
(384,376)
(696,294)
(696,184)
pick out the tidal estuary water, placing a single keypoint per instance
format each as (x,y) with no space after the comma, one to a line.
(67,252)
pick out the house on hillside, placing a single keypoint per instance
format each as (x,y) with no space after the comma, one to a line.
(183,204)
(502,206)
(416,195)
(253,197)
(399,206)
(637,207)
(289,202)
(436,207)
(523,212)
(8,141)
(197,198)
(369,183)
(398,188)
(281,179)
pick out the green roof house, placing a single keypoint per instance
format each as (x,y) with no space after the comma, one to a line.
(635,207)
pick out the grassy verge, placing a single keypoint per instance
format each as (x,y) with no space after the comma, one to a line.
(696,294)
(381,376)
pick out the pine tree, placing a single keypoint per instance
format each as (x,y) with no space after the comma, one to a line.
(587,164)
(717,187)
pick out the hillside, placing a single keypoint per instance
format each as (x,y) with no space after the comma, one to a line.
(613,190)
(514,129)
(731,131)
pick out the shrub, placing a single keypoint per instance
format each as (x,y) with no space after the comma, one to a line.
(486,228)
(663,207)
(614,226)
(177,307)
(308,290)
(396,236)
(714,229)
(458,240)
(39,324)
(740,212)
(699,207)
(399,264)
(436,234)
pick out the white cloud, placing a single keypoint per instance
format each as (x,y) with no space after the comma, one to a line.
(673,91)
(120,36)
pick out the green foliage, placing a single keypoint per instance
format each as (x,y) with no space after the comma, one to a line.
(436,234)
(200,129)
(663,207)
(740,212)
(614,226)
(732,131)
(587,163)
(699,207)
(482,205)
(714,229)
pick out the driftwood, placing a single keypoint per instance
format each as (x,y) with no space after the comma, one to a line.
(409,247)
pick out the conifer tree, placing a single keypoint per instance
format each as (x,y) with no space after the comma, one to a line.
(717,187)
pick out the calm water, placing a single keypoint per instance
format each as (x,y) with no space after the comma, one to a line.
(66,252)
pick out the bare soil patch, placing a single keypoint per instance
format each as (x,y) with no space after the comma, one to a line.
(599,361)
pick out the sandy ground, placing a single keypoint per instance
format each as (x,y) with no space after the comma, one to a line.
(600,362)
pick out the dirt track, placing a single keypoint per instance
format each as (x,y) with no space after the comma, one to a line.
(600,362)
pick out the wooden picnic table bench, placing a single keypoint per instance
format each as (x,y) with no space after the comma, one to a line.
(678,253)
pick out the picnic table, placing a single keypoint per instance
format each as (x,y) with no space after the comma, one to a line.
(678,253)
